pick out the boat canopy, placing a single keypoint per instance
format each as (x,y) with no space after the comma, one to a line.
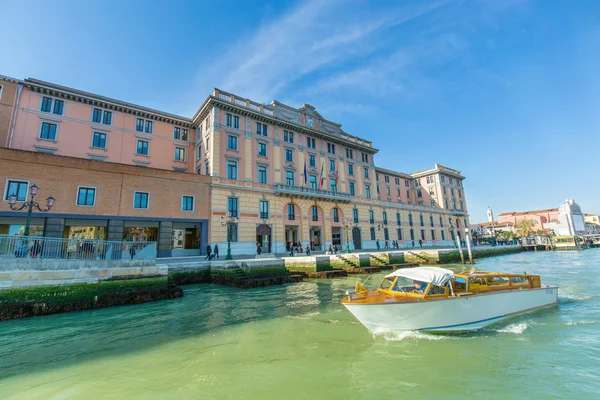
(437,276)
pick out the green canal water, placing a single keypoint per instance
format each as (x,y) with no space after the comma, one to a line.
(297,342)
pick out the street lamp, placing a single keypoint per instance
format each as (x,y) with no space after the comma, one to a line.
(29,205)
(228,221)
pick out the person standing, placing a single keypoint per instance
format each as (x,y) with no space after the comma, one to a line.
(216,250)
(413,243)
(307,250)
(258,249)
(420,243)
(208,251)
(377,244)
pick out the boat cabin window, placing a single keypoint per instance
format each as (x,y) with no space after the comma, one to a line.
(436,290)
(460,283)
(386,284)
(409,286)
(519,280)
(498,281)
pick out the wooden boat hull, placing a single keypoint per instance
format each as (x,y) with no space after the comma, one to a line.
(452,314)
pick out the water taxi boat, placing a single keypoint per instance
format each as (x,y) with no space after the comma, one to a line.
(437,299)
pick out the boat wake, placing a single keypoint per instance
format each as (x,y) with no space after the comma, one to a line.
(575,323)
(514,328)
(415,335)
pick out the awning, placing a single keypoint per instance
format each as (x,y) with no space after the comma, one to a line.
(437,276)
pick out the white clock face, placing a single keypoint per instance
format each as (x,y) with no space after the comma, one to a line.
(310,122)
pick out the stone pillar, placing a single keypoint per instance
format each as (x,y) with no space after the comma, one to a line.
(54,227)
(115,229)
(165,237)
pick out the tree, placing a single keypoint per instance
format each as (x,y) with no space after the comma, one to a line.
(525,227)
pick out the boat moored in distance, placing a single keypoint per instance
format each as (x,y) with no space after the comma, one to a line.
(437,299)
(569,243)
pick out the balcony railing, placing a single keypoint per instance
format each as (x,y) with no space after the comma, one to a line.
(310,193)
(74,249)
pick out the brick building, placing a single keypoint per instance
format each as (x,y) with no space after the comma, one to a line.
(101,200)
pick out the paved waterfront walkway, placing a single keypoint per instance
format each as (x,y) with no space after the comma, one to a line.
(174,260)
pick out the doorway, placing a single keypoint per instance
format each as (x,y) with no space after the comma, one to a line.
(263,238)
(356,238)
(316,239)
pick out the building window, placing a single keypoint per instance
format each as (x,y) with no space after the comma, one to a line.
(16,188)
(398,221)
(199,152)
(336,216)
(419,193)
(46,104)
(386,234)
(355,215)
(289,178)
(179,154)
(421,220)
(352,190)
(377,186)
(365,158)
(97,115)
(288,136)
(262,174)
(406,184)
(187,203)
(386,178)
(397,181)
(368,191)
(450,181)
(332,165)
(311,143)
(371,217)
(48,131)
(232,206)
(261,129)
(207,168)
(349,154)
(333,185)
(408,195)
(377,177)
(140,200)
(86,196)
(289,155)
(461,205)
(350,169)
(410,220)
(331,148)
(139,125)
(422,234)
(433,204)
(373,234)
(142,147)
(107,117)
(452,191)
(431,219)
(366,173)
(412,234)
(443,236)
(441,221)
(232,142)
(315,213)
(446,202)
(312,160)
(263,208)
(180,133)
(232,167)
(432,234)
(399,233)
(312,180)
(262,149)
(58,107)
(291,212)
(232,121)
(388,191)
(99,140)
(384,217)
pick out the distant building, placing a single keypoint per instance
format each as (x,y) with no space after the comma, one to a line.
(570,220)
(488,228)
(490,215)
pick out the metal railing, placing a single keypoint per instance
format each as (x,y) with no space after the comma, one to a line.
(310,193)
(74,249)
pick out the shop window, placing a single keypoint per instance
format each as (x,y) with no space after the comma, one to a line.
(186,239)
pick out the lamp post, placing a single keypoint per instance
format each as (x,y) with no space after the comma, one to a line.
(30,205)
(469,245)
(347,225)
(228,221)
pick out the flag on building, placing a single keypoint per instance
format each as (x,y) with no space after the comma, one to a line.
(305,173)
(322,182)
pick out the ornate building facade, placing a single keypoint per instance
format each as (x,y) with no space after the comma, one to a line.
(281,174)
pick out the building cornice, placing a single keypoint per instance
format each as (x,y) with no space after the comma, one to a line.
(91,99)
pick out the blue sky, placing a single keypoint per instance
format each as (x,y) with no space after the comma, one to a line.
(506,91)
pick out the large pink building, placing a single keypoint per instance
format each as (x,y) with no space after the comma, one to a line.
(288,174)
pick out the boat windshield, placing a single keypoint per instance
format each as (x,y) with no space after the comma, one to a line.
(406,285)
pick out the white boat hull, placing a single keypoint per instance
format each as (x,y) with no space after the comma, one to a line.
(465,313)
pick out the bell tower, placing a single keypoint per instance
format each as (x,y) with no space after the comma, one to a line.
(490,215)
